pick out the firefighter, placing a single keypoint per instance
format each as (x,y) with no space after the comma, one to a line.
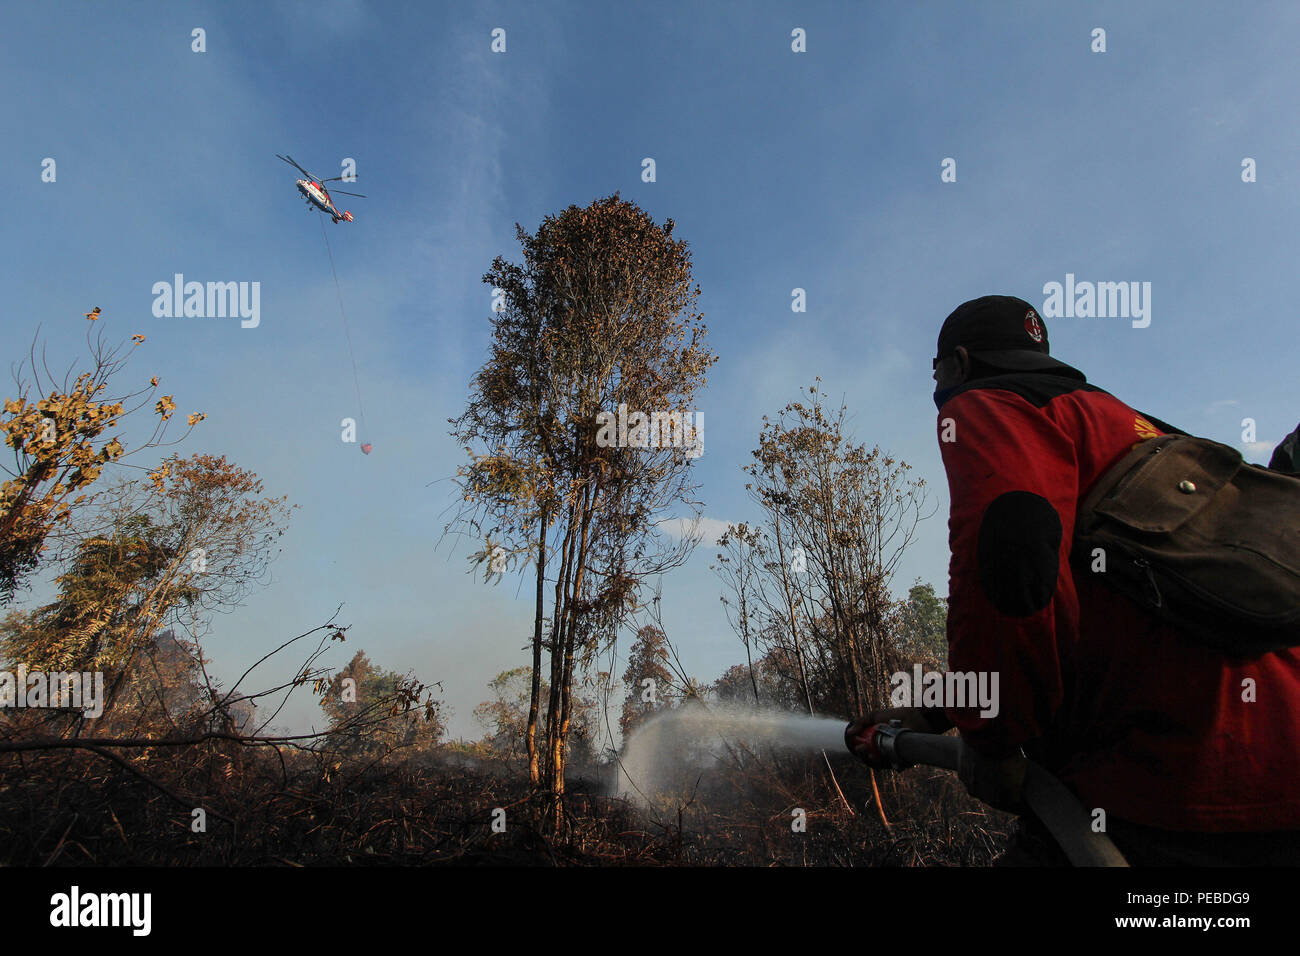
(1187,757)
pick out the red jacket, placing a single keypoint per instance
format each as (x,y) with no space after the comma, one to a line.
(1134,717)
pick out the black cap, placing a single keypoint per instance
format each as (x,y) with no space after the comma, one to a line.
(1001,330)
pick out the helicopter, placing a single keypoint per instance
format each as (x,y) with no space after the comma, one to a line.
(313,188)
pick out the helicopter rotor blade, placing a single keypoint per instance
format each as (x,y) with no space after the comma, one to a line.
(338,179)
(340,192)
(289,160)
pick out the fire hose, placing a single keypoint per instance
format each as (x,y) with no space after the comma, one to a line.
(1047,798)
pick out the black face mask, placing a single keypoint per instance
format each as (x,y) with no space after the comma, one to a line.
(942,395)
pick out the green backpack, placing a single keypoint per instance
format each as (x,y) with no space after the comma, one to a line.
(1199,538)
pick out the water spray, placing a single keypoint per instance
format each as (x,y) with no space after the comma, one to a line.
(659,750)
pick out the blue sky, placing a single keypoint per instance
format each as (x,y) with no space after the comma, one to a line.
(817,170)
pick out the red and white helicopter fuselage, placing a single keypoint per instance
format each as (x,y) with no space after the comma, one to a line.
(318,196)
(313,189)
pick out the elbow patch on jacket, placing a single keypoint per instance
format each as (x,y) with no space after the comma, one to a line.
(1019,553)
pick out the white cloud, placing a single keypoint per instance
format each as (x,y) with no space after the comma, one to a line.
(707,529)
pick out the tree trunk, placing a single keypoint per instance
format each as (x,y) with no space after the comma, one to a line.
(572,592)
(559,630)
(534,769)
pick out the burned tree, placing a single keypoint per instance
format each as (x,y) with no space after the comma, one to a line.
(810,585)
(577,438)
(61,434)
